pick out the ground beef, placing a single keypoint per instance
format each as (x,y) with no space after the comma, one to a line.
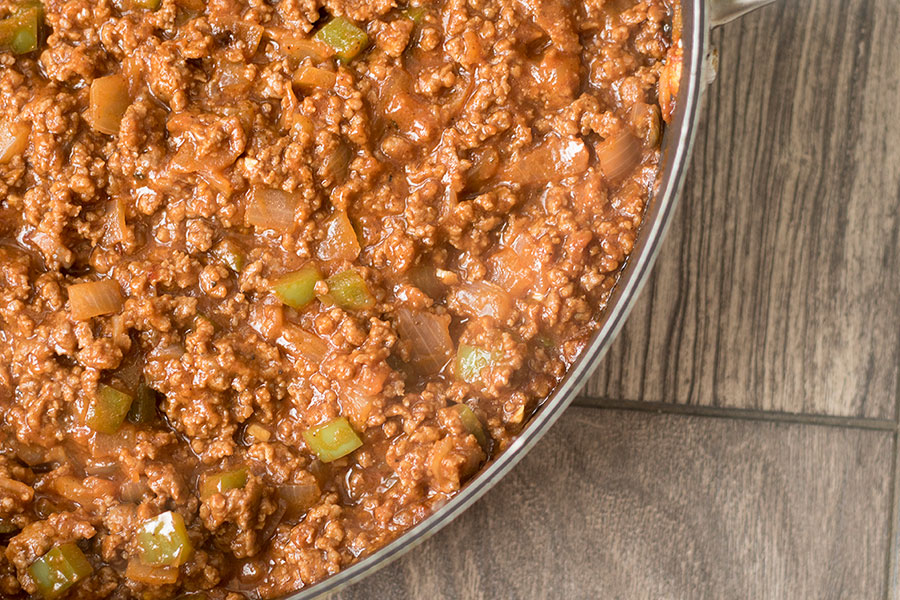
(465,183)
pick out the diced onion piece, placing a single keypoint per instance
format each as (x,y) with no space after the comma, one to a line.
(13,140)
(357,402)
(313,77)
(340,241)
(299,497)
(21,32)
(483,299)
(257,432)
(143,407)
(13,488)
(167,352)
(471,422)
(219,483)
(299,343)
(250,34)
(669,82)
(645,120)
(428,336)
(360,395)
(347,40)
(150,575)
(133,491)
(59,569)
(272,209)
(619,155)
(72,488)
(107,409)
(101,470)
(299,46)
(298,289)
(300,121)
(234,78)
(511,272)
(553,160)
(89,492)
(117,230)
(231,254)
(94,298)
(335,165)
(163,540)
(332,440)
(485,164)
(348,290)
(426,279)
(471,361)
(33,455)
(109,101)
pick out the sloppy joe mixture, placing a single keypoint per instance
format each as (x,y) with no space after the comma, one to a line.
(277,277)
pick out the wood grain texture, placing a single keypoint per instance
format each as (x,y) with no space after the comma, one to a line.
(778,287)
(636,505)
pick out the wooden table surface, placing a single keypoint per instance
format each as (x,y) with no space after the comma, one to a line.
(740,439)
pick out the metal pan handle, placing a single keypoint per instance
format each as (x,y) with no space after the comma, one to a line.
(722,11)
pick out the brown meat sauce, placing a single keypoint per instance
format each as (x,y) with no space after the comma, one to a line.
(483,166)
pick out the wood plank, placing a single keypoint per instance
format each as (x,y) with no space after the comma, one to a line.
(617,504)
(778,286)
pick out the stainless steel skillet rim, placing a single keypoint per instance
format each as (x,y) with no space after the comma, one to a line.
(677,144)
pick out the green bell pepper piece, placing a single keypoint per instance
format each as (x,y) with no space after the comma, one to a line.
(163,540)
(471,422)
(415,14)
(143,407)
(347,40)
(219,483)
(58,570)
(231,254)
(108,409)
(470,360)
(298,289)
(332,440)
(21,32)
(348,290)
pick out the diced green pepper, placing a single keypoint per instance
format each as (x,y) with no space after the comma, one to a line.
(344,37)
(58,570)
(163,540)
(298,289)
(415,14)
(20,32)
(108,409)
(470,360)
(332,440)
(231,254)
(471,422)
(146,4)
(348,290)
(143,407)
(220,483)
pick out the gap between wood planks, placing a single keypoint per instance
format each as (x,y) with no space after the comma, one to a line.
(739,413)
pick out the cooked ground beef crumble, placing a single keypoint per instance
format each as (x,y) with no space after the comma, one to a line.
(278,277)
